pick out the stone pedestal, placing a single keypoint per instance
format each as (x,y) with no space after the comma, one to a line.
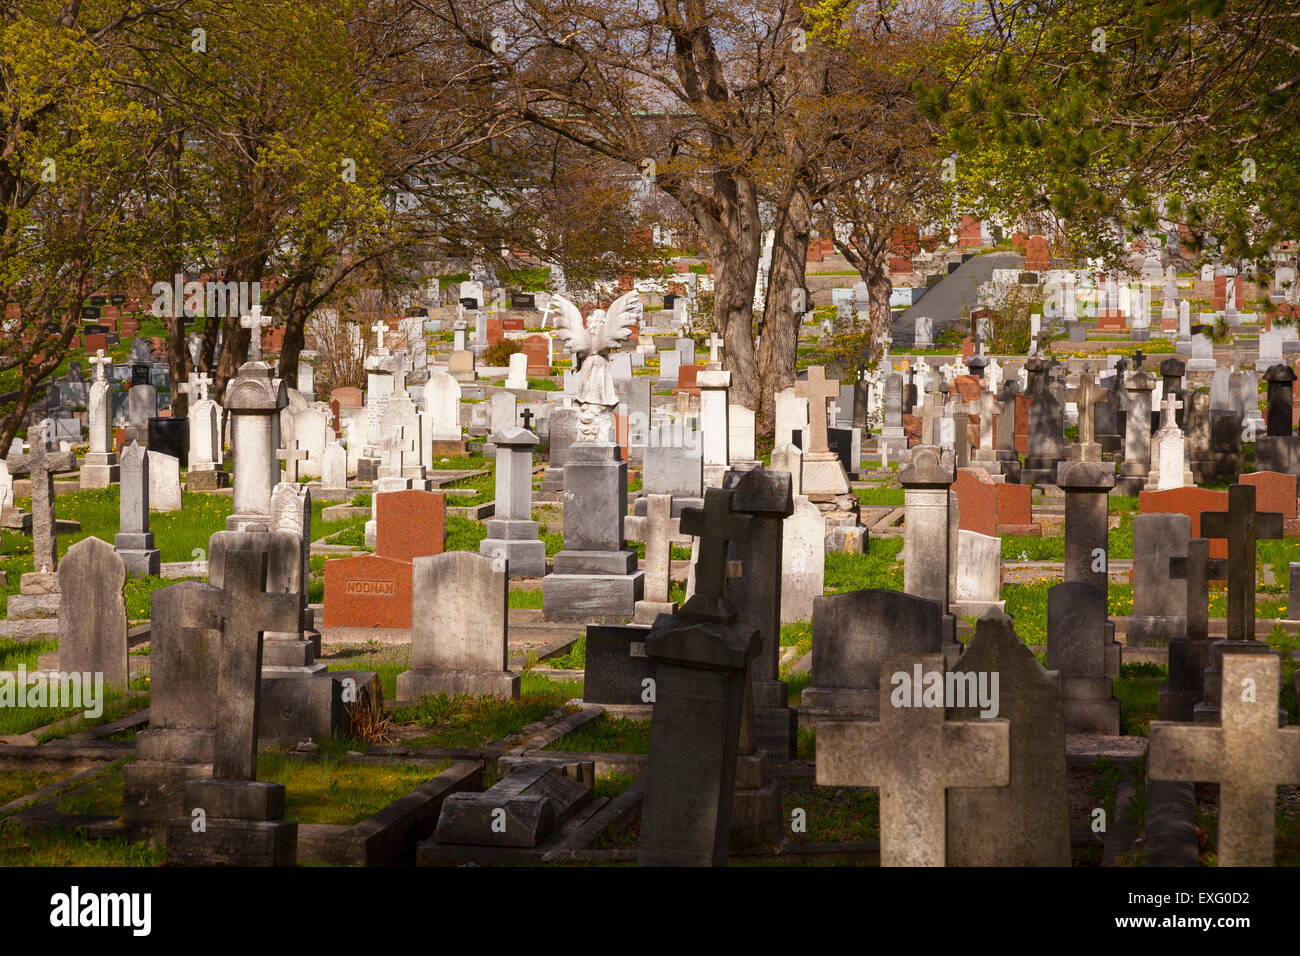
(139,555)
(99,470)
(209,479)
(242,825)
(594,579)
(927,474)
(511,533)
(1087,486)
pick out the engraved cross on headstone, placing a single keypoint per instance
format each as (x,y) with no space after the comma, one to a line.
(100,361)
(1242,526)
(255,322)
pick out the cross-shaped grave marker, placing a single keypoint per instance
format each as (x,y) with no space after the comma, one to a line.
(379,328)
(200,381)
(715,524)
(913,754)
(42,464)
(1138,358)
(1085,395)
(658,547)
(291,457)
(248,612)
(1198,569)
(714,342)
(1169,407)
(100,361)
(528,416)
(255,322)
(1248,755)
(1241,525)
(818,390)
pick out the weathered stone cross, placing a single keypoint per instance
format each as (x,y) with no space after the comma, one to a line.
(818,390)
(913,754)
(1169,409)
(1086,395)
(1241,525)
(100,360)
(1198,569)
(41,465)
(715,524)
(249,611)
(379,328)
(714,343)
(201,381)
(1248,755)
(291,457)
(255,322)
(660,531)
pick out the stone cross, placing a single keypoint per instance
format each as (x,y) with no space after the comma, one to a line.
(1138,359)
(42,465)
(1085,395)
(1241,525)
(528,416)
(660,531)
(248,611)
(818,390)
(291,457)
(201,381)
(255,322)
(379,328)
(99,361)
(714,343)
(1198,569)
(546,313)
(715,524)
(1248,755)
(1169,409)
(913,754)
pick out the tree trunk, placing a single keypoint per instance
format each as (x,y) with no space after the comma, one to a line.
(778,347)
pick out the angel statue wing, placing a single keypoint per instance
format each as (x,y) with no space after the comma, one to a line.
(625,309)
(569,326)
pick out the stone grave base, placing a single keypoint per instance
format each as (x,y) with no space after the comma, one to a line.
(99,470)
(756,820)
(858,702)
(776,724)
(647,611)
(296,708)
(1152,630)
(527,558)
(431,681)
(1091,716)
(209,480)
(591,598)
(443,448)
(243,826)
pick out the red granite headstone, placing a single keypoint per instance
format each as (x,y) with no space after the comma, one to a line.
(970,236)
(686,375)
(976,501)
(1190,501)
(1274,491)
(537,348)
(1022,424)
(493,330)
(1014,510)
(912,429)
(367,591)
(410,524)
(94,341)
(968,387)
(513,323)
(1037,255)
(900,265)
(347,396)
(1219,301)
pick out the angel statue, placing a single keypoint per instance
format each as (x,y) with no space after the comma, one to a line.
(591,344)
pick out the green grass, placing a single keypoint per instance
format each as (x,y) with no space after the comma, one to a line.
(880,567)
(59,848)
(829,814)
(472,722)
(459,463)
(607,734)
(386,660)
(525,600)
(891,497)
(484,487)
(19,783)
(575,658)
(464,534)
(340,792)
(116,703)
(544,385)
